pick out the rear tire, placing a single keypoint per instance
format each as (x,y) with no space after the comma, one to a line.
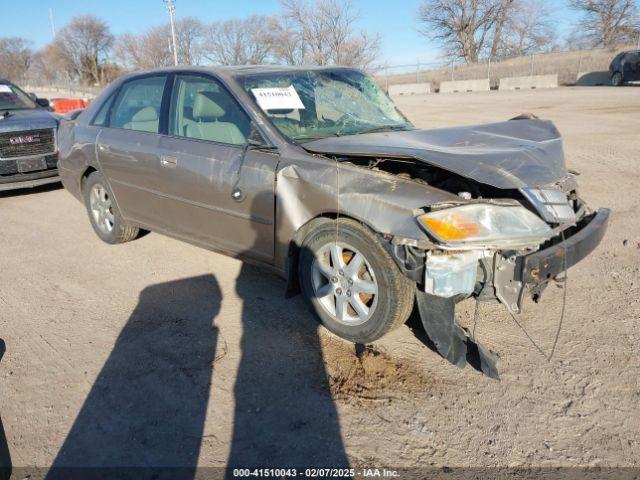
(617,80)
(352,283)
(104,215)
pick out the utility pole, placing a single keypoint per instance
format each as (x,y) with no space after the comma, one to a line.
(53,24)
(171,8)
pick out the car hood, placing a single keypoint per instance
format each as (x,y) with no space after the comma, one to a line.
(507,155)
(33,119)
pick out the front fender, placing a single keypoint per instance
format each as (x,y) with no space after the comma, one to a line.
(310,188)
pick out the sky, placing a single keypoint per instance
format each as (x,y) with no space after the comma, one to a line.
(395,20)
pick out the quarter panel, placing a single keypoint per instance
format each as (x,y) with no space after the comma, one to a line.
(77,152)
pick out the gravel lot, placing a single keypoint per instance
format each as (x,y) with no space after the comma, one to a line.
(157,352)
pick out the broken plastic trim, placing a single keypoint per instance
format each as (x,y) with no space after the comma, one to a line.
(451,341)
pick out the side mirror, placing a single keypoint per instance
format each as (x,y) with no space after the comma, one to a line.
(255,138)
(43,102)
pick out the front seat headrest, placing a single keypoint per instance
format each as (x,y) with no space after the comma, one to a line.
(205,107)
(147,114)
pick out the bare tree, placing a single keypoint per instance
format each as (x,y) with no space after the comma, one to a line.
(463,27)
(240,41)
(324,33)
(527,29)
(607,22)
(288,45)
(82,46)
(44,66)
(152,48)
(505,8)
(522,27)
(190,35)
(15,57)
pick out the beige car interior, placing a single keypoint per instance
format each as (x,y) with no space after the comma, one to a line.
(144,120)
(206,124)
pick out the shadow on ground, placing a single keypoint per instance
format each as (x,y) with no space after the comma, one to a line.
(5,457)
(594,79)
(147,406)
(30,191)
(145,414)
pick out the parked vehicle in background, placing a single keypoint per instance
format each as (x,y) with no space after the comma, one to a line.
(28,139)
(315,173)
(625,67)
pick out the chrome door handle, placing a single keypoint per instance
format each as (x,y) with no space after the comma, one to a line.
(103,148)
(169,162)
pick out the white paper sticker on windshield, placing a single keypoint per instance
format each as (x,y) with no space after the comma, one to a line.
(5,89)
(278,98)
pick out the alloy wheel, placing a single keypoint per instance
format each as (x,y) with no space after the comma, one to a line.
(101,208)
(344,283)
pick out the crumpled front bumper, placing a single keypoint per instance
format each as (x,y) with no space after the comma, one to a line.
(545,264)
(514,276)
(511,276)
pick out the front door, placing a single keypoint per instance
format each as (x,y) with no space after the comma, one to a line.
(128,148)
(215,190)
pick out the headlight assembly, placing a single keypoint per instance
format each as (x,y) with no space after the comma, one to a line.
(480,226)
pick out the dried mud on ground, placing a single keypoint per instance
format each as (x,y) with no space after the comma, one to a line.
(370,375)
(133,344)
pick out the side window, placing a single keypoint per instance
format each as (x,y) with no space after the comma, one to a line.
(138,105)
(203,109)
(100,119)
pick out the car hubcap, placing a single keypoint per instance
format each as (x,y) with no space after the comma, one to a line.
(101,208)
(344,283)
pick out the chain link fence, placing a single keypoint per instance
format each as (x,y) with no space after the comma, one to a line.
(568,65)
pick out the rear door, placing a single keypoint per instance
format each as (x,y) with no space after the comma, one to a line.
(631,66)
(128,147)
(215,190)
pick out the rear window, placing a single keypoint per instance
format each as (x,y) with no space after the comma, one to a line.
(138,105)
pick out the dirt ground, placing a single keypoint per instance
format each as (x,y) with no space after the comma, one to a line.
(160,353)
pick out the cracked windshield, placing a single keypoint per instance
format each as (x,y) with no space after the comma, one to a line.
(310,105)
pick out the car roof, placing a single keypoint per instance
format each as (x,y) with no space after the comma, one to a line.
(238,70)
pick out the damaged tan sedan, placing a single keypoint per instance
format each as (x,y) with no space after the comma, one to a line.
(315,173)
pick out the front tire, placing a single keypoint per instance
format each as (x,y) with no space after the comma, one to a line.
(104,215)
(352,283)
(617,79)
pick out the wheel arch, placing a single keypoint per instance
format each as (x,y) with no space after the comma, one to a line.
(85,174)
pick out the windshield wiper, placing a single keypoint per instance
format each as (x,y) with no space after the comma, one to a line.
(311,137)
(385,128)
